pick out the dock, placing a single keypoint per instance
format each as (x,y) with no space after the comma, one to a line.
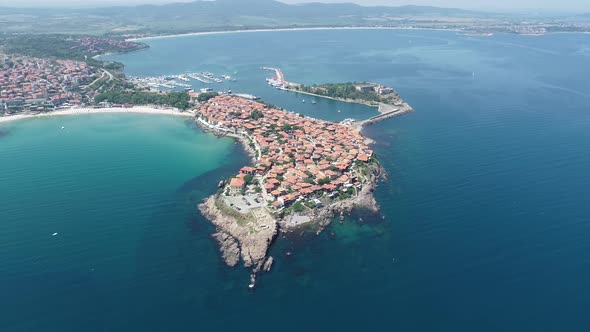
(279,78)
(391,113)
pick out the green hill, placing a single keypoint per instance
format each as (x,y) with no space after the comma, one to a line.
(214,15)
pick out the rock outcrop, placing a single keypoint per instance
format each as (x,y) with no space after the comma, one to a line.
(268,264)
(322,216)
(228,245)
(247,238)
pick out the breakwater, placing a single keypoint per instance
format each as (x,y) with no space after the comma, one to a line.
(388,110)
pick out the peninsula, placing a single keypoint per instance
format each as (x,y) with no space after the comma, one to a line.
(304,170)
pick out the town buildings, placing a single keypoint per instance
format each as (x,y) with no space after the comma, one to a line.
(28,83)
(297,157)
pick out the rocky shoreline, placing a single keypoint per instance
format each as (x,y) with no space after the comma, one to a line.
(322,216)
(250,240)
(246,233)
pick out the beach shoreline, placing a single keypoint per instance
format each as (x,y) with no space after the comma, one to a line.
(113,110)
(221,32)
(205,33)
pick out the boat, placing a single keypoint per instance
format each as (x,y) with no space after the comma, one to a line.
(247,96)
(63,127)
(252,281)
(202,80)
(54,234)
(303,101)
(313,102)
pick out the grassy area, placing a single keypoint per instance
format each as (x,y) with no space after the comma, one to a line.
(341,91)
(241,218)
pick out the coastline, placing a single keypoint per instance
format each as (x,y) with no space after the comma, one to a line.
(246,225)
(82,111)
(207,128)
(205,33)
(220,32)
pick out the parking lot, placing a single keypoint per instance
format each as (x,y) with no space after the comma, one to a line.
(244,203)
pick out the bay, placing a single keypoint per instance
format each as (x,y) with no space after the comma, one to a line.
(485,217)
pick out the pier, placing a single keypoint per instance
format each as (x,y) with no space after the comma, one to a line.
(279,78)
(390,113)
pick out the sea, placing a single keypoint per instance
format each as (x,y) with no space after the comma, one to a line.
(485,212)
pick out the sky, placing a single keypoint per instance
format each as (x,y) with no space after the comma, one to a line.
(489,5)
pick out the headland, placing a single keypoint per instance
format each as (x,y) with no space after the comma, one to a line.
(305,170)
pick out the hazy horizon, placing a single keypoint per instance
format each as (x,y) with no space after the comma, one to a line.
(484,5)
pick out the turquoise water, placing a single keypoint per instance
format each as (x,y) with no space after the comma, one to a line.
(484,225)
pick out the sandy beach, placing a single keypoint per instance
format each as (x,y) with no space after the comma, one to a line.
(280,29)
(82,111)
(204,33)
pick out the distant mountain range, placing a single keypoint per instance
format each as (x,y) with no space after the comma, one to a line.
(216,15)
(270,8)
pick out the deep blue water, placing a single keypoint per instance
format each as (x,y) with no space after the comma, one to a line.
(486,215)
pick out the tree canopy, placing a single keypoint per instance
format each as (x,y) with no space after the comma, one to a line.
(206,96)
(179,100)
(256,114)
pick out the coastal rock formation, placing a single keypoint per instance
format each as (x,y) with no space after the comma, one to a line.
(250,235)
(323,216)
(304,170)
(268,264)
(228,245)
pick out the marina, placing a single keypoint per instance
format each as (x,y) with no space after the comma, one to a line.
(180,81)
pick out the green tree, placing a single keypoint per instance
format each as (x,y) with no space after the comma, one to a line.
(203,97)
(256,114)
(287,127)
(298,207)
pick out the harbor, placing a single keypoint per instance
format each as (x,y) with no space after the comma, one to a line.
(395,105)
(180,81)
